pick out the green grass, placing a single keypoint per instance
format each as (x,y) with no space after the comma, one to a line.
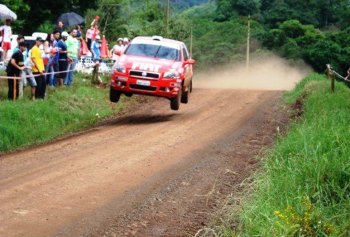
(303,188)
(65,110)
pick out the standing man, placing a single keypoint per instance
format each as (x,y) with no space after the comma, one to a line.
(117,48)
(14,68)
(73,50)
(59,27)
(38,69)
(125,43)
(62,58)
(6,38)
(53,60)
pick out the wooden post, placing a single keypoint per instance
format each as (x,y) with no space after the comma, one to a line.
(14,88)
(20,89)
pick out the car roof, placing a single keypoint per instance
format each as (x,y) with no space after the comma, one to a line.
(157,40)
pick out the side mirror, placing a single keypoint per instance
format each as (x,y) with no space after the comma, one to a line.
(190,61)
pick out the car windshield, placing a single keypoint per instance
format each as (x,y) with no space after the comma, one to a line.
(155,51)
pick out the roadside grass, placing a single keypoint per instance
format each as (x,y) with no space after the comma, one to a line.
(303,187)
(65,110)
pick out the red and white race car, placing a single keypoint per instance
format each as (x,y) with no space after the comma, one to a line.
(153,66)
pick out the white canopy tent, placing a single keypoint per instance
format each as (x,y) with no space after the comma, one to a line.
(6,13)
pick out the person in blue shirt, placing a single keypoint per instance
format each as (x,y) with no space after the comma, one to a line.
(62,58)
(96,49)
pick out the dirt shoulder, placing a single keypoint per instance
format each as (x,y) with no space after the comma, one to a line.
(151,172)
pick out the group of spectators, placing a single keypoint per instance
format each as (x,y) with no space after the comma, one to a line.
(52,61)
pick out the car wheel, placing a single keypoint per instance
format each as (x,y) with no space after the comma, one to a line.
(184,97)
(186,94)
(175,102)
(128,94)
(191,86)
(114,95)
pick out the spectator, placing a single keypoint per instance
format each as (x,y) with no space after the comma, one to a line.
(79,31)
(28,74)
(125,43)
(62,58)
(96,32)
(6,38)
(14,68)
(96,49)
(89,34)
(73,51)
(38,69)
(52,64)
(117,48)
(59,27)
(20,38)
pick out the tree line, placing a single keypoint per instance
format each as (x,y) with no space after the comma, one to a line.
(315,31)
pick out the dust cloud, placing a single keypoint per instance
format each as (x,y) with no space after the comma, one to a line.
(269,73)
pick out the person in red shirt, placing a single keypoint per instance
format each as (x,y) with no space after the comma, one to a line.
(6,38)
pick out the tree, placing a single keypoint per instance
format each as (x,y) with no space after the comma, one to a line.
(21,9)
(246,7)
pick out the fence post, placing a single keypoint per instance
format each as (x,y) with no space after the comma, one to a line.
(14,89)
(20,88)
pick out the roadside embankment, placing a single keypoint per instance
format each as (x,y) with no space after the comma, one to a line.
(65,110)
(303,186)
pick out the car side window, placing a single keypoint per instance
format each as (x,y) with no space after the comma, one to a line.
(185,53)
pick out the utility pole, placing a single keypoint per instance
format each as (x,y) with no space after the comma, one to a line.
(191,42)
(167,18)
(248,44)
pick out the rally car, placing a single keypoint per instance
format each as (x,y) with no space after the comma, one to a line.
(153,66)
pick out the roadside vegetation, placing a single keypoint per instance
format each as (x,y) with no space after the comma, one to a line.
(303,186)
(65,110)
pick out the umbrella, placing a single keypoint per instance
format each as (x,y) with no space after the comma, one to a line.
(71,19)
(6,13)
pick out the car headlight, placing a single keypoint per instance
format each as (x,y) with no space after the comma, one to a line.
(120,68)
(171,75)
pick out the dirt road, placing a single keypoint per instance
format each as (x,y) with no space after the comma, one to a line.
(151,172)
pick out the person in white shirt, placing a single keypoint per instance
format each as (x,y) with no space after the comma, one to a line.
(125,43)
(6,38)
(117,48)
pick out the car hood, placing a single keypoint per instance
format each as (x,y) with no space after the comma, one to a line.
(149,64)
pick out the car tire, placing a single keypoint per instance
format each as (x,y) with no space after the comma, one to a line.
(128,94)
(186,94)
(175,102)
(184,97)
(191,86)
(114,95)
